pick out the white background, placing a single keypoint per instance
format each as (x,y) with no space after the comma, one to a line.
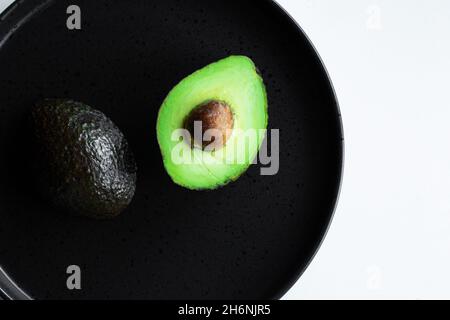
(390,64)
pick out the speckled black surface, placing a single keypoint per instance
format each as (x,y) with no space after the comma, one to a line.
(250,239)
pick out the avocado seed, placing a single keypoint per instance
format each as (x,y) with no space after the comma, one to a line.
(210,124)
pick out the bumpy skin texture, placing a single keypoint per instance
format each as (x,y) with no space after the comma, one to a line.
(82,160)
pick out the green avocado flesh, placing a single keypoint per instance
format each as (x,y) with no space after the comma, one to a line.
(235,82)
(81,159)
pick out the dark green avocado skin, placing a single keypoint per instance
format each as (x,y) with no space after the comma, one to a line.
(82,160)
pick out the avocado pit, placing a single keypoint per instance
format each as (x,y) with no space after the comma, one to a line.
(210,124)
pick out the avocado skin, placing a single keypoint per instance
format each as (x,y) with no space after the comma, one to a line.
(81,159)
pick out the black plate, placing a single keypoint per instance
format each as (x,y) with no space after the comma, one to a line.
(251,239)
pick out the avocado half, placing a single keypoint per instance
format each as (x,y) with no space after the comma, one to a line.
(82,160)
(234,85)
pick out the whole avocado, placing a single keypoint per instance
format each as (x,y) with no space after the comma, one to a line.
(82,160)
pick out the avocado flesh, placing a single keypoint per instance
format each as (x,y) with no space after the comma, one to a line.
(82,160)
(235,81)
